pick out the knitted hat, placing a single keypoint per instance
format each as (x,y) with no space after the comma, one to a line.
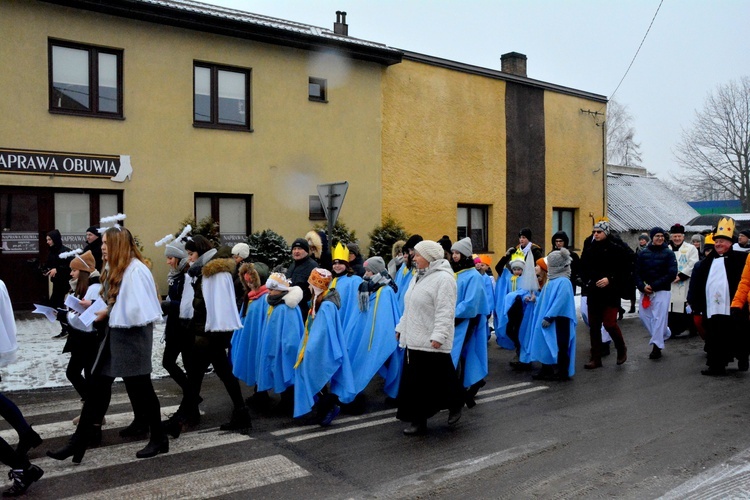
(525,231)
(463,247)
(558,263)
(429,250)
(542,263)
(644,237)
(93,230)
(301,243)
(320,279)
(242,250)
(84,262)
(697,238)
(353,248)
(277,281)
(176,249)
(745,232)
(412,242)
(603,225)
(656,230)
(677,229)
(445,242)
(375,265)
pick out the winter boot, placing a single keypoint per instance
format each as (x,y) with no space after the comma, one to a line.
(22,479)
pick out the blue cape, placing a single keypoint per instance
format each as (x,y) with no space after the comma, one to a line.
(471,301)
(278,348)
(246,341)
(503,287)
(403,280)
(555,301)
(325,359)
(348,288)
(372,343)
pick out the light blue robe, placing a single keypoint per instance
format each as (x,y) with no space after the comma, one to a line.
(372,343)
(279,344)
(348,289)
(470,302)
(503,287)
(246,341)
(556,300)
(404,276)
(325,359)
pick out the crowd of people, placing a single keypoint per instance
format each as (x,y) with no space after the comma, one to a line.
(310,338)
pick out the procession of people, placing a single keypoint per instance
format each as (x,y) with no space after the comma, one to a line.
(308,340)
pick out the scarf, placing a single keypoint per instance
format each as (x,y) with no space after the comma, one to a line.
(371,285)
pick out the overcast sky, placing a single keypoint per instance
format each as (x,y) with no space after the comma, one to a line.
(693,47)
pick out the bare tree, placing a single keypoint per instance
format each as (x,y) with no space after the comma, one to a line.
(621,146)
(715,152)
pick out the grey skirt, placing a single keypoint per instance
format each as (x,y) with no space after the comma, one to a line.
(126,352)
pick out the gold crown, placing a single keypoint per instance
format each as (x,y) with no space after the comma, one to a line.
(320,278)
(725,228)
(340,252)
(709,239)
(518,256)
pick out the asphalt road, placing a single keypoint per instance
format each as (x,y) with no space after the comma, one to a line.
(641,430)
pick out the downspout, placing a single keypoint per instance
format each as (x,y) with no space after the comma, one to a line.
(604,169)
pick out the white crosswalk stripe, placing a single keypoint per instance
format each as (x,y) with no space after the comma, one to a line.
(96,458)
(212,482)
(66,428)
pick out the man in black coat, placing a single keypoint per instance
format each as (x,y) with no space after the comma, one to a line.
(603,270)
(716,281)
(299,272)
(655,269)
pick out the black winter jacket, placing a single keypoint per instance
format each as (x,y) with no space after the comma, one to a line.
(656,266)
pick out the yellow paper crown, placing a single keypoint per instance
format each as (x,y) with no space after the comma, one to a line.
(518,256)
(340,252)
(709,239)
(725,228)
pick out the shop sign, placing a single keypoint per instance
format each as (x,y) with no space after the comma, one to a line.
(20,242)
(20,161)
(231,239)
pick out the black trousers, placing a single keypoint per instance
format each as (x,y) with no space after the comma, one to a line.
(211,350)
(142,397)
(179,340)
(10,412)
(725,340)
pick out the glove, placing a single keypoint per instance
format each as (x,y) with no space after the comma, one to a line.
(546,322)
(511,251)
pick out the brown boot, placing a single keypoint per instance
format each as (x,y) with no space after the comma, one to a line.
(594,363)
(622,355)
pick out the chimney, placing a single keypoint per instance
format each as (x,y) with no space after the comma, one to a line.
(513,63)
(340,27)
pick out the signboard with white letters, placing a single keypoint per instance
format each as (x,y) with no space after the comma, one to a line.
(20,161)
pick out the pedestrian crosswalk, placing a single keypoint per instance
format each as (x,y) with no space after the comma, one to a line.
(211,462)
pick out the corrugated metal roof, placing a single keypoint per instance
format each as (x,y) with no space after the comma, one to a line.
(260,20)
(639,203)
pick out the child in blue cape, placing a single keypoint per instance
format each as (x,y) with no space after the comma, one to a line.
(553,334)
(346,283)
(322,357)
(280,339)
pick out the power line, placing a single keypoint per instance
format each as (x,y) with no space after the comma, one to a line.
(637,51)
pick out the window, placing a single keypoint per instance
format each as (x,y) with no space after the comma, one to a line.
(221,97)
(76,211)
(231,212)
(85,80)
(472,222)
(317,90)
(563,219)
(316,211)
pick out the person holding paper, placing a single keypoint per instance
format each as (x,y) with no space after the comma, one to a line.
(82,342)
(57,270)
(132,308)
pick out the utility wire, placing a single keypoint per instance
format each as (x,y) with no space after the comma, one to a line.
(637,51)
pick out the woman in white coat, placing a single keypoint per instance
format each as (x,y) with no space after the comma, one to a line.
(429,382)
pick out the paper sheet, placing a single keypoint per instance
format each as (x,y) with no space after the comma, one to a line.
(89,315)
(50,312)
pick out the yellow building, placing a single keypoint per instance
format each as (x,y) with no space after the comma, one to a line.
(492,150)
(217,112)
(172,109)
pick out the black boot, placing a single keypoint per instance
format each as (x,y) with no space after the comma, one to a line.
(240,421)
(75,448)
(22,479)
(95,437)
(30,439)
(135,429)
(154,447)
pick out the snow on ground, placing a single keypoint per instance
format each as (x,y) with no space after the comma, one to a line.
(40,360)
(42,364)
